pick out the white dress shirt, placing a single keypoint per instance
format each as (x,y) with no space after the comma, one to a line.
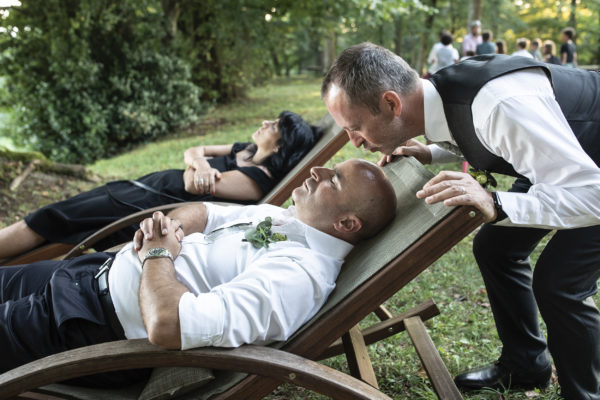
(432,57)
(470,42)
(522,53)
(239,294)
(517,118)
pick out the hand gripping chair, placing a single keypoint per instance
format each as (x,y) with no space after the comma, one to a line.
(374,271)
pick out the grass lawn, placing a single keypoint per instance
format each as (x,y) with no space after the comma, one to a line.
(464,332)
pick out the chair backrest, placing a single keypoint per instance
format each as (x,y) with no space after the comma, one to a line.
(377,268)
(333,139)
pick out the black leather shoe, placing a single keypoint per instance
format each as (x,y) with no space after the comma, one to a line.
(496,376)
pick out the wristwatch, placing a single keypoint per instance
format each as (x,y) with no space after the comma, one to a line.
(500,214)
(157,252)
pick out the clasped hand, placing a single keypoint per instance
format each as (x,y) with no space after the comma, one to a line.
(158,231)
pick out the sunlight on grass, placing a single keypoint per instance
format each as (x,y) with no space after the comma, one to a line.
(222,125)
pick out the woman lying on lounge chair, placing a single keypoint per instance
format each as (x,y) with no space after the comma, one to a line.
(239,172)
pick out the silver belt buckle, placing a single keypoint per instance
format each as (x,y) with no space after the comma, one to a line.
(103,268)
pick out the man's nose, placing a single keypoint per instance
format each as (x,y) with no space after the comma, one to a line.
(318,173)
(356,139)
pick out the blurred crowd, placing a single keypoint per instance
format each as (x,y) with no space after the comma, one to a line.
(444,52)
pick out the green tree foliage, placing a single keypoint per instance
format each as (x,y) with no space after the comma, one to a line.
(89,79)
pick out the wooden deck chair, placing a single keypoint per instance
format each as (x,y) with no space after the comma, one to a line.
(333,139)
(374,271)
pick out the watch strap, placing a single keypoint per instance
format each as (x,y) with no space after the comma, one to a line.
(500,214)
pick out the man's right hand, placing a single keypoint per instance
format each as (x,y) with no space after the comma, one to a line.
(158,231)
(412,148)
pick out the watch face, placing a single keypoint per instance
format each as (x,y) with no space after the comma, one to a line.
(158,251)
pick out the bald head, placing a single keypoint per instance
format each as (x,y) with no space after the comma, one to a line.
(375,202)
(352,201)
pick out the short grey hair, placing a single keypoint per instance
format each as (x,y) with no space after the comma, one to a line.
(366,70)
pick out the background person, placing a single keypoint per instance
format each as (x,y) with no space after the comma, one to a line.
(534,49)
(239,172)
(204,289)
(500,46)
(522,44)
(472,39)
(509,119)
(486,46)
(549,53)
(447,54)
(568,51)
(432,57)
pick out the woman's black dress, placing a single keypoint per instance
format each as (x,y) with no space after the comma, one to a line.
(72,220)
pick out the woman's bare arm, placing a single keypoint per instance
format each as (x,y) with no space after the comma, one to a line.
(232,185)
(197,155)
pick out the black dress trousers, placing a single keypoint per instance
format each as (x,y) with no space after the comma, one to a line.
(53,306)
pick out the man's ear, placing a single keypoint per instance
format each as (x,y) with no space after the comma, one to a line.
(390,101)
(348,223)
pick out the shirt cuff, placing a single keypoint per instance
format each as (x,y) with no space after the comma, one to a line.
(509,206)
(442,156)
(201,319)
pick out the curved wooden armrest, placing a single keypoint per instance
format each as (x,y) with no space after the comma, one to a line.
(139,353)
(116,226)
(124,222)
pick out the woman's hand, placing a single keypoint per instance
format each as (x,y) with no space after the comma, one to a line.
(205,181)
(158,231)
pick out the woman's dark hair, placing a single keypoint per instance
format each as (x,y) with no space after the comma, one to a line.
(500,47)
(297,138)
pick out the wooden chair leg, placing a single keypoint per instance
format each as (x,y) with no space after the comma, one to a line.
(383,313)
(385,329)
(442,382)
(358,358)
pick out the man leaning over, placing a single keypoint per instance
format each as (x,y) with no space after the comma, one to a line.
(519,117)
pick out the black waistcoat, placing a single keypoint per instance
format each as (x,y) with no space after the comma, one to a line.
(577,93)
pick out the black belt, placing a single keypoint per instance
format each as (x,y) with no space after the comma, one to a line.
(105,301)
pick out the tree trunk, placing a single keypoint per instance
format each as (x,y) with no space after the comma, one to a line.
(572,20)
(329,51)
(172,10)
(425,39)
(397,34)
(275,60)
(474,12)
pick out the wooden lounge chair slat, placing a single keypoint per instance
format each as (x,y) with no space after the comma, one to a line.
(140,354)
(383,313)
(387,328)
(434,366)
(357,356)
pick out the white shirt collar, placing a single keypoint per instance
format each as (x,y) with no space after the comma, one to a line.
(320,241)
(436,126)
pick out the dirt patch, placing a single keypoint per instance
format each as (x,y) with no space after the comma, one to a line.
(37,189)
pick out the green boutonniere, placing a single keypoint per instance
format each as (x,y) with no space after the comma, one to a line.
(262,235)
(484,178)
